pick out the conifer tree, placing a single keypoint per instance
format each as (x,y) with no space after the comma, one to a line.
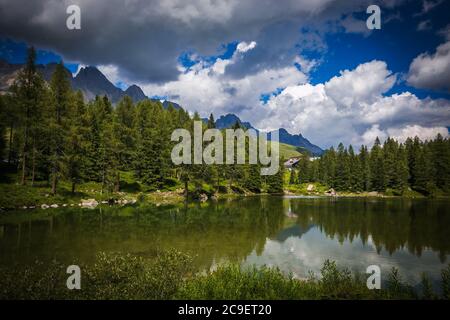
(364,161)
(60,88)
(26,92)
(2,128)
(377,167)
(342,169)
(275,183)
(76,140)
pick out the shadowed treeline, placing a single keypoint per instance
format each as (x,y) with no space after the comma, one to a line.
(391,224)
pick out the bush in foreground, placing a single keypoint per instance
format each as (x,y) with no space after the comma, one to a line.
(168,275)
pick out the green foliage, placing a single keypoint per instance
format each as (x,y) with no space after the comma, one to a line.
(118,276)
(446,283)
(232,282)
(394,168)
(275,183)
(51,135)
(169,275)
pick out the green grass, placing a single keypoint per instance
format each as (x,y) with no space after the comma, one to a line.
(302,188)
(289,151)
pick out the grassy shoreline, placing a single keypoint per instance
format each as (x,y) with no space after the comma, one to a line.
(15,196)
(170,275)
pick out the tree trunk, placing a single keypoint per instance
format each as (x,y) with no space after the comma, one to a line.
(34,165)
(54,181)
(103,181)
(54,174)
(73,187)
(25,148)
(117,185)
(11,130)
(22,179)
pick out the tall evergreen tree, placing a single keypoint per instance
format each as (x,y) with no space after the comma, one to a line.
(441,159)
(61,93)
(342,169)
(275,183)
(364,160)
(27,91)
(2,128)
(377,167)
(76,145)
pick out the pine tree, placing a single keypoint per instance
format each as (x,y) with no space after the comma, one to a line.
(152,156)
(401,166)
(275,183)
(61,92)
(364,160)
(441,160)
(211,122)
(424,170)
(342,169)
(2,128)
(253,178)
(377,167)
(125,115)
(356,181)
(74,155)
(27,92)
(303,172)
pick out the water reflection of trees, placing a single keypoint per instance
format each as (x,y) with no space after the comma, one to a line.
(212,232)
(392,224)
(223,230)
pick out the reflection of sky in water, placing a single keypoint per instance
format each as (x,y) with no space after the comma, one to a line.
(300,254)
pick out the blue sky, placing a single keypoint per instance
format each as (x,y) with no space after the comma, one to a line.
(291,65)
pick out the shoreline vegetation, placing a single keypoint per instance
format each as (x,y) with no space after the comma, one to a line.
(57,149)
(17,197)
(170,275)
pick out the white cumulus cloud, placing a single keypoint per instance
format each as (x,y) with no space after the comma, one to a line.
(431,71)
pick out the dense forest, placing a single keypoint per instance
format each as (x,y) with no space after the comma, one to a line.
(417,165)
(49,133)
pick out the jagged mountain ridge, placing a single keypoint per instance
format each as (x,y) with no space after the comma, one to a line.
(297,140)
(92,82)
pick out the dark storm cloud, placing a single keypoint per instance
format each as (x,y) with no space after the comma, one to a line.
(145,38)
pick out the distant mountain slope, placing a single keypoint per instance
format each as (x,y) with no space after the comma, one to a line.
(227,121)
(299,141)
(135,93)
(92,82)
(8,73)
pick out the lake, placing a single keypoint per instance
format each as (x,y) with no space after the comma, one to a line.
(297,234)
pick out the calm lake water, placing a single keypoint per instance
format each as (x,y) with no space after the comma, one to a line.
(294,233)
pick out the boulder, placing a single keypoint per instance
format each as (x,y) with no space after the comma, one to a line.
(89,203)
(310,187)
(54,206)
(45,206)
(203,197)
